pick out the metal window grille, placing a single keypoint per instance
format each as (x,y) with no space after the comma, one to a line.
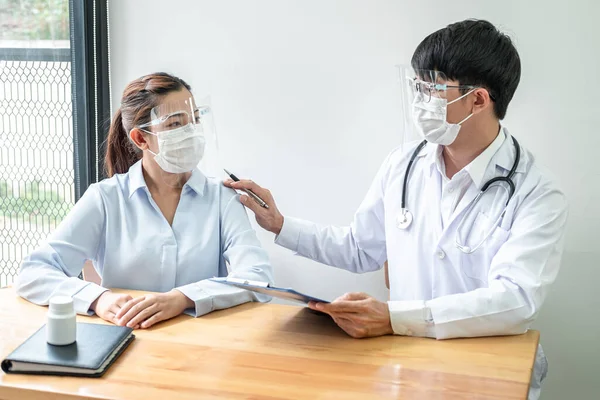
(36,150)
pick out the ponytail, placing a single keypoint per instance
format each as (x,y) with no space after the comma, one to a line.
(120,152)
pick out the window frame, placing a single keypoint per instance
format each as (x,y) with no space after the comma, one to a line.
(90,69)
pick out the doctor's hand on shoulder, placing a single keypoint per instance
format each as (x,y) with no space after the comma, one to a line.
(270,218)
(358,314)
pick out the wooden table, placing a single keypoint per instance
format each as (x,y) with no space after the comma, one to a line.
(266,351)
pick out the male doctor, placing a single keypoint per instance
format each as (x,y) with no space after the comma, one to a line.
(466,257)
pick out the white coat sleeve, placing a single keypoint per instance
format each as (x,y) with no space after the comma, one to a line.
(358,248)
(519,277)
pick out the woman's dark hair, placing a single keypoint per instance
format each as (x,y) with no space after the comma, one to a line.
(139,97)
(473,52)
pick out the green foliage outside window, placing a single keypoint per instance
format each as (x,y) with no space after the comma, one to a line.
(35,204)
(34,19)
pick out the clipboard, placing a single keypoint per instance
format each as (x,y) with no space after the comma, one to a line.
(266,288)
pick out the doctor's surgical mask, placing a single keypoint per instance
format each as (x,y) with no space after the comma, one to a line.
(428,91)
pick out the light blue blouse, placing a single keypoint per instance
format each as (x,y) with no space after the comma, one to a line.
(118,226)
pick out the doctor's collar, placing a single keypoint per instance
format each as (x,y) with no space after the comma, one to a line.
(504,157)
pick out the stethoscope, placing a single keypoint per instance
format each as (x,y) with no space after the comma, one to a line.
(404,220)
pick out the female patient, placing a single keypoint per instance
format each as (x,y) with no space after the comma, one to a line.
(157,224)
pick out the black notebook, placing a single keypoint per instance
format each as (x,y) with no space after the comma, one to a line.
(96,348)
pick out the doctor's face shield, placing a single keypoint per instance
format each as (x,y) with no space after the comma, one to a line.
(185,137)
(424,102)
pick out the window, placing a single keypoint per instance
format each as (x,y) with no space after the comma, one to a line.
(44,167)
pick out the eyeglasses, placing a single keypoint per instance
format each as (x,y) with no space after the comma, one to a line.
(176,119)
(429,89)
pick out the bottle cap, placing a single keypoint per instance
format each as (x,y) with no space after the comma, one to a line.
(61,305)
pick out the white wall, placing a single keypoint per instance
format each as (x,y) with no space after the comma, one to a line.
(306,104)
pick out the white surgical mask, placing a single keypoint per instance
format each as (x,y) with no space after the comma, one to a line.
(430,119)
(180,150)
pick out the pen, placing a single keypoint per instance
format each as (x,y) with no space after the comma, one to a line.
(250,192)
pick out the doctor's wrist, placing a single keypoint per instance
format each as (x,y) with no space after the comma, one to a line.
(278,224)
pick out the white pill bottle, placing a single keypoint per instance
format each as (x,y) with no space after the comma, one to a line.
(61,327)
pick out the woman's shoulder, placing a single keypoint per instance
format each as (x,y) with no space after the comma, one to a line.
(216,187)
(113,187)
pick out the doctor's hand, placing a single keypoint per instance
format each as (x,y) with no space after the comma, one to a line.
(358,314)
(147,310)
(108,305)
(270,218)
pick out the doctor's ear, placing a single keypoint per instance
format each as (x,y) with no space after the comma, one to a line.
(139,138)
(482,100)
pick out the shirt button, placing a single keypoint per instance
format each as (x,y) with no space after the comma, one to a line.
(450,190)
(441,255)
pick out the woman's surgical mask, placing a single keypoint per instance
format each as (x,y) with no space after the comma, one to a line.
(180,150)
(429,116)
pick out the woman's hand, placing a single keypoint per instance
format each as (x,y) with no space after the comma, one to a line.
(109,304)
(145,311)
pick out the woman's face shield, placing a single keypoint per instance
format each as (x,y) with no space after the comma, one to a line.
(210,164)
(173,115)
(172,123)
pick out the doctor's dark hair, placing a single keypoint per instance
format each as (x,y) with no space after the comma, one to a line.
(139,97)
(473,52)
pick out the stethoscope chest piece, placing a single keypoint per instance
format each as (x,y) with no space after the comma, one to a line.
(404,219)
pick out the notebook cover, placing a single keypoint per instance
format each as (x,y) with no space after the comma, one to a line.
(95,343)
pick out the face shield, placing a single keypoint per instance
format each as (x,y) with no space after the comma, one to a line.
(424,106)
(210,164)
(186,137)
(418,87)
